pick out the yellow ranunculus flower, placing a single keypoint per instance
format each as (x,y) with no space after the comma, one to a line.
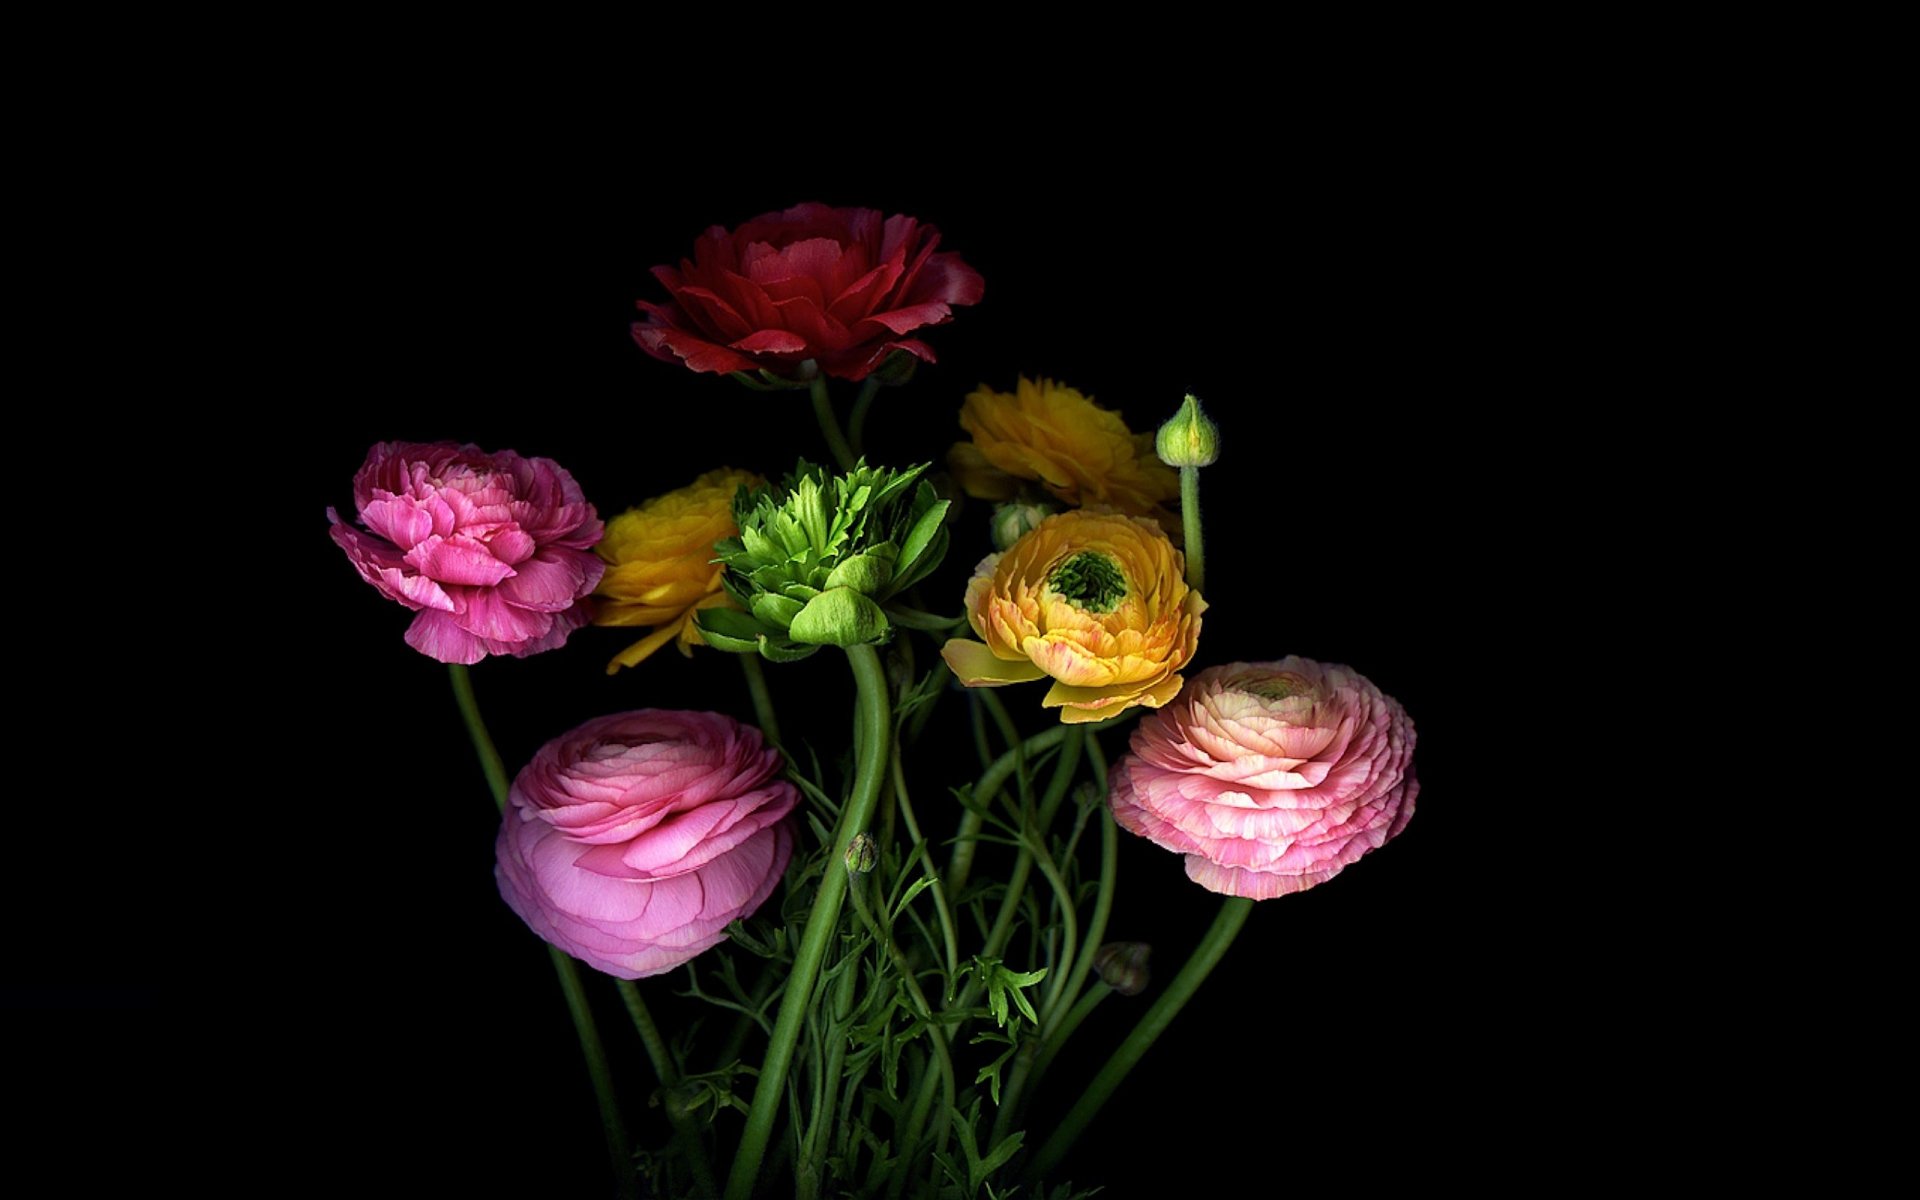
(1052,435)
(661,566)
(1097,600)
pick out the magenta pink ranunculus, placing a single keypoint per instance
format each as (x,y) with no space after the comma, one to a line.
(633,841)
(1269,777)
(493,551)
(840,286)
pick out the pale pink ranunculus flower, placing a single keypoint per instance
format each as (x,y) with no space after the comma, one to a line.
(494,552)
(633,841)
(1269,777)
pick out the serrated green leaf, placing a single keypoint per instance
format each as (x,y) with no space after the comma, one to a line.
(919,885)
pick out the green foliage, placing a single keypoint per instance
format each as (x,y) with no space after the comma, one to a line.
(819,554)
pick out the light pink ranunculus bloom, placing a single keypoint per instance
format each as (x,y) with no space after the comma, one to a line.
(1269,777)
(633,841)
(493,551)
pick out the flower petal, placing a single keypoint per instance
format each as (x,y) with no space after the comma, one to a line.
(977,666)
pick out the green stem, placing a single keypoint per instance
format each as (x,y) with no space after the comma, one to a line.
(857,424)
(669,1076)
(1190,520)
(874,724)
(949,933)
(826,1118)
(1207,955)
(490,764)
(762,702)
(1078,1013)
(830,424)
(961,864)
(619,1147)
(935,1034)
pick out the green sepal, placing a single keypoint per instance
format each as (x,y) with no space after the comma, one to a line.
(779,649)
(840,617)
(867,573)
(730,630)
(776,610)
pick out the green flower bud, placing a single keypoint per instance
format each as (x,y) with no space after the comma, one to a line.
(1188,439)
(1122,966)
(862,853)
(818,553)
(1011,522)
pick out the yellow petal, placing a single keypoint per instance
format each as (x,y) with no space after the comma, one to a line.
(638,652)
(977,666)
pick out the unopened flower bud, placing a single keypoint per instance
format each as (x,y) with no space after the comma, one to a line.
(1188,439)
(1011,522)
(1122,966)
(862,852)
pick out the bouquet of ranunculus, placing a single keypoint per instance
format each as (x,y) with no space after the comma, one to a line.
(899,935)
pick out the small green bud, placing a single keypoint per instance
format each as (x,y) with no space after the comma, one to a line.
(897,369)
(1122,966)
(862,853)
(1011,522)
(1188,439)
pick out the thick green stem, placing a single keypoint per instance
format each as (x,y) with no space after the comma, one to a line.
(830,424)
(1190,521)
(1207,955)
(872,717)
(619,1147)
(663,1069)
(762,702)
(857,424)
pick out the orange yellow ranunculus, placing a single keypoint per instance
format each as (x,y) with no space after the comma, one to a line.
(1052,435)
(660,563)
(1096,600)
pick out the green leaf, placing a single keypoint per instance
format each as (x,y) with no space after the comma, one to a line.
(840,617)
(919,885)
(925,528)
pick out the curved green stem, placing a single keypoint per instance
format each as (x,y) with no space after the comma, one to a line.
(935,1034)
(669,1076)
(857,424)
(490,764)
(872,717)
(949,933)
(1190,521)
(960,865)
(762,702)
(1206,956)
(830,424)
(619,1147)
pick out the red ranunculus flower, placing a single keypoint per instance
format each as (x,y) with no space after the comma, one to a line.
(841,286)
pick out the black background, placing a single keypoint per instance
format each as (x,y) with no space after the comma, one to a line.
(1352,337)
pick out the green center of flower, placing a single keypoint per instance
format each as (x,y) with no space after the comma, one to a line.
(1279,687)
(1090,580)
